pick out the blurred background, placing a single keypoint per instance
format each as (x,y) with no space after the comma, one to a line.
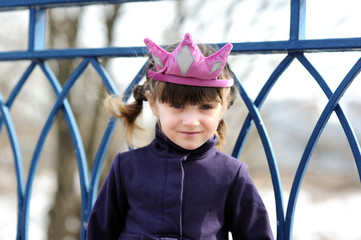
(329,201)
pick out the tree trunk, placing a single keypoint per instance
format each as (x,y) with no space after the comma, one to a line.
(66,211)
(64,215)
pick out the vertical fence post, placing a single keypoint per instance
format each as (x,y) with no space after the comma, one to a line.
(37,26)
(298,19)
(297,32)
(36,41)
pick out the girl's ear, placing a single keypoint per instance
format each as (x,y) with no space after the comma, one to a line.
(151,103)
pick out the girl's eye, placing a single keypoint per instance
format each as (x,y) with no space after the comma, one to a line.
(206,106)
(177,106)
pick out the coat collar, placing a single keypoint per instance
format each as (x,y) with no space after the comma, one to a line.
(165,146)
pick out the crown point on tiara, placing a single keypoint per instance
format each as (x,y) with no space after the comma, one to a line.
(187,65)
(184,59)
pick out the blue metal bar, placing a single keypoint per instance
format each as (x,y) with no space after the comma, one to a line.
(128,91)
(95,174)
(99,158)
(15,147)
(346,125)
(272,163)
(107,81)
(258,103)
(98,162)
(298,19)
(6,5)
(321,123)
(18,87)
(14,143)
(246,128)
(73,53)
(316,45)
(37,26)
(103,147)
(60,103)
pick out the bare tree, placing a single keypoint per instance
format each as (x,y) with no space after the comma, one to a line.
(65,213)
(66,202)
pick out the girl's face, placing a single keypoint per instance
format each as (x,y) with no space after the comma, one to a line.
(188,126)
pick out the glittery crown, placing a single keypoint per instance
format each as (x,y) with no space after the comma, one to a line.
(187,65)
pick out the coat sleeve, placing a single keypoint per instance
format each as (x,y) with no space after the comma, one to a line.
(107,217)
(246,214)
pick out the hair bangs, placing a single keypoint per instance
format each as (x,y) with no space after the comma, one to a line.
(186,95)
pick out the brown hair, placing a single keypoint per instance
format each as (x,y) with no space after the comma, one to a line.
(171,93)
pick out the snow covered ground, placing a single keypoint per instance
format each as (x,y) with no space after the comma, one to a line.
(334,218)
(44,187)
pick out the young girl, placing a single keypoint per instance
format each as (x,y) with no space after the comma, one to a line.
(180,186)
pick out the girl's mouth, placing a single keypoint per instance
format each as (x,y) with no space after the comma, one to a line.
(190,133)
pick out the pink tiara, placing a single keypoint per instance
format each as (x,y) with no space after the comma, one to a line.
(187,65)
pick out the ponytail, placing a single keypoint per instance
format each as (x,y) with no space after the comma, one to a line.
(221,133)
(128,112)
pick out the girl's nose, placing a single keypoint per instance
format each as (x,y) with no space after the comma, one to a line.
(190,118)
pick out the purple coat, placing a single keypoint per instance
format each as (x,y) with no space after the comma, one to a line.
(162,191)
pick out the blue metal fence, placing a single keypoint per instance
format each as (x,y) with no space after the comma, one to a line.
(36,55)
